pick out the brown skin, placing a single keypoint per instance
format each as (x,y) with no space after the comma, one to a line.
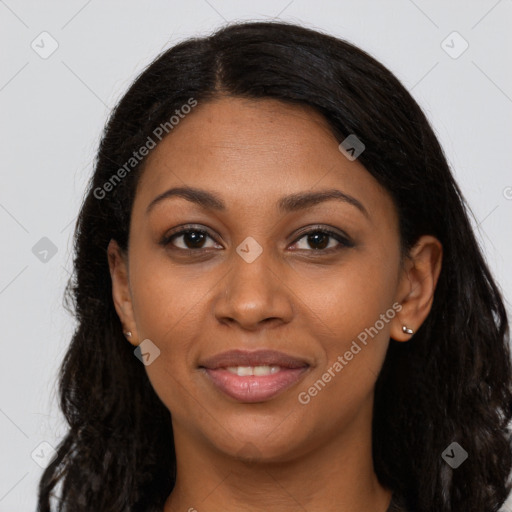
(278,455)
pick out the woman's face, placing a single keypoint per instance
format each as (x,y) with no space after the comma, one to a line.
(255,281)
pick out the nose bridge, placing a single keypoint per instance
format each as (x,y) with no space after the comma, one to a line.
(254,291)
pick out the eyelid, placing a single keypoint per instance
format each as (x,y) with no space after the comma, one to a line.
(181,230)
(324,228)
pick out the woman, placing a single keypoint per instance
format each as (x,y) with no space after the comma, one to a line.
(281,304)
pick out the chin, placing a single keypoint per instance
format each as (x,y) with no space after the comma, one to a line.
(260,442)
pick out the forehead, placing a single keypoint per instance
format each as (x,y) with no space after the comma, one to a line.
(244,130)
(255,151)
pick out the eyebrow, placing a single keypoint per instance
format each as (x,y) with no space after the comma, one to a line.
(291,203)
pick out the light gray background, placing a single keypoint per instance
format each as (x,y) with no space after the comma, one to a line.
(53,111)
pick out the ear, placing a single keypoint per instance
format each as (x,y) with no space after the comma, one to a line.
(121,293)
(415,291)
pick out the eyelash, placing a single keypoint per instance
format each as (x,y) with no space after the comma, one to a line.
(343,241)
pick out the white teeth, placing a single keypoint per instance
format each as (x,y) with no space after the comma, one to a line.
(259,371)
(265,370)
(243,371)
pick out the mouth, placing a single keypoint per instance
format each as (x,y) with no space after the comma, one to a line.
(255,376)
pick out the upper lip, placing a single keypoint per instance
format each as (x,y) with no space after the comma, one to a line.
(252,358)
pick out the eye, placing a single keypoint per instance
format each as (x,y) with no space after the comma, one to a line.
(323,240)
(191,239)
(320,240)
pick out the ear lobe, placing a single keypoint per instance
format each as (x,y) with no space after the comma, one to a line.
(417,286)
(121,293)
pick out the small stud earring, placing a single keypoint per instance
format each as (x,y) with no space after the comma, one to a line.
(407,330)
(127,334)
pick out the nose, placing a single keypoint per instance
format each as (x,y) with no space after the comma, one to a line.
(255,293)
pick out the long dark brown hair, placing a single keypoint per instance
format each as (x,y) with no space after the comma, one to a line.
(450,383)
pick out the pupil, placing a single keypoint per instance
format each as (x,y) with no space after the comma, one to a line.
(195,237)
(314,238)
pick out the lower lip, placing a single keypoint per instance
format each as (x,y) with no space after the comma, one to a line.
(253,388)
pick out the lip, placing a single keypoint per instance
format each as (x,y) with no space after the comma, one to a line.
(253,358)
(253,388)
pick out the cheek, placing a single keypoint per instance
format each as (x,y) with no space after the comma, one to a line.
(356,294)
(357,310)
(166,298)
(169,309)
(167,314)
(353,356)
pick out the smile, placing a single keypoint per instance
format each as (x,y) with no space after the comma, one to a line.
(253,376)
